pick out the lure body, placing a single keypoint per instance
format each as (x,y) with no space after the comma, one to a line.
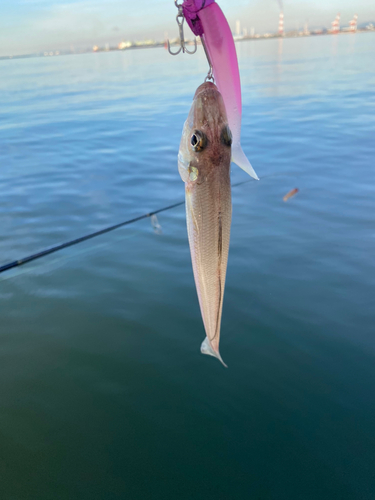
(209,22)
(204,165)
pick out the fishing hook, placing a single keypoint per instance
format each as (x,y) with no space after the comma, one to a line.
(180,18)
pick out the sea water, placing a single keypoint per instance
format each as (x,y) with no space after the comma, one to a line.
(103,391)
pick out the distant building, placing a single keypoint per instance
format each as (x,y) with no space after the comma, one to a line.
(124,45)
(143,43)
(238,28)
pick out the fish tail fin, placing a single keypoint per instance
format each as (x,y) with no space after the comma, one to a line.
(240,159)
(206,348)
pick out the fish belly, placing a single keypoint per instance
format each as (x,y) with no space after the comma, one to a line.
(208,215)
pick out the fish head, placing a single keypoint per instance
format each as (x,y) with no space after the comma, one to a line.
(206,139)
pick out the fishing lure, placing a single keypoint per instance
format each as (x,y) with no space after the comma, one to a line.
(207,21)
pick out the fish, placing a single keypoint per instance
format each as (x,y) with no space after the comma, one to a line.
(204,165)
(218,40)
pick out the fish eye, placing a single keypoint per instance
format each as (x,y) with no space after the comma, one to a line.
(198,140)
(226,136)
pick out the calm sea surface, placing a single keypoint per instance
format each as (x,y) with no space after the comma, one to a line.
(103,391)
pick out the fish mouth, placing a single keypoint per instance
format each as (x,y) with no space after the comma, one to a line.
(208,108)
(205,86)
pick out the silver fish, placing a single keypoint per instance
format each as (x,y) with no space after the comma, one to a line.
(204,165)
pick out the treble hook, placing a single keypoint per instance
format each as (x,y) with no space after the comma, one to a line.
(180,18)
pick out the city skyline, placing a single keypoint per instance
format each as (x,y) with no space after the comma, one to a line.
(29,26)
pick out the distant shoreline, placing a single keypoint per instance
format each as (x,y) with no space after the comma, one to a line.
(148,45)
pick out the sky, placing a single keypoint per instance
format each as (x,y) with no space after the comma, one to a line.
(29,26)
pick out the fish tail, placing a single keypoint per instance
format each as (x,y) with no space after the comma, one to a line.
(206,348)
(240,159)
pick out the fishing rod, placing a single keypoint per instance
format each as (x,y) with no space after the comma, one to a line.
(61,246)
(56,248)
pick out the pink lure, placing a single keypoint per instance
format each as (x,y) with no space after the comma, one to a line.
(219,42)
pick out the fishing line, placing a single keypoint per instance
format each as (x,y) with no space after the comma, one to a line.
(61,246)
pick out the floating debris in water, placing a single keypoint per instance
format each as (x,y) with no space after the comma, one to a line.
(290,194)
(155,224)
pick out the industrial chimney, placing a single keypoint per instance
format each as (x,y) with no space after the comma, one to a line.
(281,24)
(353,23)
(336,25)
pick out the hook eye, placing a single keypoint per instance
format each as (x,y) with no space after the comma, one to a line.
(198,140)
